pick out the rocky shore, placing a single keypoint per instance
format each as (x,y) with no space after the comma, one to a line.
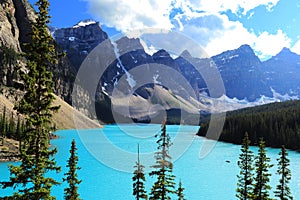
(9,150)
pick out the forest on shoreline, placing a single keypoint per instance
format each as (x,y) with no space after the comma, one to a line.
(277,123)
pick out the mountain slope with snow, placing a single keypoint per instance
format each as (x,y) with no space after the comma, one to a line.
(247,80)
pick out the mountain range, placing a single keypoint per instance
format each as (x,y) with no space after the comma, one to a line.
(244,75)
(248,81)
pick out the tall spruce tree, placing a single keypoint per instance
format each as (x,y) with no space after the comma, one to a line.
(139,179)
(163,168)
(3,123)
(36,105)
(180,190)
(11,130)
(245,177)
(282,190)
(261,187)
(71,192)
(19,133)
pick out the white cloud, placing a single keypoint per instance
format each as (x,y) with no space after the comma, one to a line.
(136,14)
(127,15)
(199,19)
(231,36)
(296,48)
(271,44)
(236,6)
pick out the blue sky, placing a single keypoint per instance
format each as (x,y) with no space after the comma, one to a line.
(218,25)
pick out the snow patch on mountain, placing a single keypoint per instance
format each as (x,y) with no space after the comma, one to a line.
(148,48)
(84,23)
(225,103)
(129,78)
(155,77)
(284,97)
(72,39)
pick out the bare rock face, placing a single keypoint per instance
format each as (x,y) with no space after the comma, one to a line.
(9,31)
(78,41)
(9,42)
(15,27)
(24,15)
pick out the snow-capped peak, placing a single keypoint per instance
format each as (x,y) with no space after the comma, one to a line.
(84,23)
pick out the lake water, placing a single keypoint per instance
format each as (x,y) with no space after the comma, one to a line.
(107,156)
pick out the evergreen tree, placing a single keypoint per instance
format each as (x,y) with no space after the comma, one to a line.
(36,107)
(138,180)
(180,191)
(11,127)
(3,123)
(245,176)
(261,187)
(19,133)
(282,190)
(71,192)
(163,168)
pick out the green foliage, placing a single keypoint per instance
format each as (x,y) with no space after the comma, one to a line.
(245,177)
(36,106)
(8,65)
(277,123)
(180,190)
(138,180)
(163,168)
(282,190)
(8,56)
(11,128)
(3,123)
(261,187)
(71,192)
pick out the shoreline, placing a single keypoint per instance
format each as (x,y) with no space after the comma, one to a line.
(9,152)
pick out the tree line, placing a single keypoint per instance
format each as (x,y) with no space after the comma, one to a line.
(278,123)
(254,176)
(10,127)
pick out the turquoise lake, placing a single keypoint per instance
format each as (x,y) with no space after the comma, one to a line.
(107,157)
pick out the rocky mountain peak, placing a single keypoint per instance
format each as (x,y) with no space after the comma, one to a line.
(161,53)
(244,54)
(78,41)
(126,45)
(245,48)
(186,54)
(287,54)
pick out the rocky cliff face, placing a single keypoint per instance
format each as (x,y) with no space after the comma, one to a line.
(282,72)
(15,18)
(9,30)
(24,15)
(79,40)
(242,73)
(10,45)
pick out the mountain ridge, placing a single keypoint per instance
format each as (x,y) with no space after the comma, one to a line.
(244,75)
(232,62)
